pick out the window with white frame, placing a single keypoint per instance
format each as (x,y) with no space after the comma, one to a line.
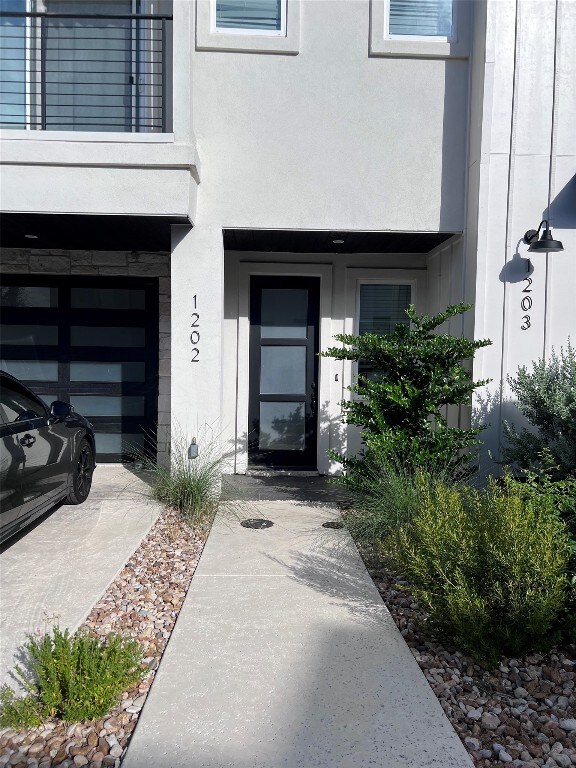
(261,17)
(257,26)
(427,28)
(420,18)
(381,307)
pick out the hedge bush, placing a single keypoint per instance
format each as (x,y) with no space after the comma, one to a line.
(491,567)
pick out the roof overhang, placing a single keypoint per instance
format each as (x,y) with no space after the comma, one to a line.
(100,232)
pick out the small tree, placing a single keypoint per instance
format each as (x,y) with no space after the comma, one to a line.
(547,398)
(418,372)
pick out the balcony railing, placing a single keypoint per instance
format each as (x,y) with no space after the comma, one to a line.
(89,72)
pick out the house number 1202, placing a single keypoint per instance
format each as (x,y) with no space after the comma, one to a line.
(195,335)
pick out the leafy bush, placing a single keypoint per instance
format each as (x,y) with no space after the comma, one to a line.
(400,407)
(490,566)
(547,398)
(72,677)
(561,492)
(191,486)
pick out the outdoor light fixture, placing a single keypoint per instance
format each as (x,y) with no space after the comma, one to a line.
(31,237)
(546,242)
(193,449)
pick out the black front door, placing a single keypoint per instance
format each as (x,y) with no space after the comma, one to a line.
(284,319)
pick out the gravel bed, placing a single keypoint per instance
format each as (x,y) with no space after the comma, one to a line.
(143,602)
(521,714)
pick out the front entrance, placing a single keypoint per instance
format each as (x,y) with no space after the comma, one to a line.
(282,414)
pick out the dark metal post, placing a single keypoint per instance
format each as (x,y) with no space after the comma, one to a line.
(163,85)
(43,27)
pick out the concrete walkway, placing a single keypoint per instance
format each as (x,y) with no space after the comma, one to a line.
(59,568)
(284,656)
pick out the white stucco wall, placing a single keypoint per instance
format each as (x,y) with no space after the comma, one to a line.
(331,138)
(527,157)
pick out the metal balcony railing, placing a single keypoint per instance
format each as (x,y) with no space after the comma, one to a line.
(89,72)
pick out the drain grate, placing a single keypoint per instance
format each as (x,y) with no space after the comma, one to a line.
(257,522)
(333,524)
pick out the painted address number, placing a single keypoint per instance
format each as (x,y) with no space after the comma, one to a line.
(195,335)
(526,304)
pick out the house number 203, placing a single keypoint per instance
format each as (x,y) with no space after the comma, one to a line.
(195,335)
(526,304)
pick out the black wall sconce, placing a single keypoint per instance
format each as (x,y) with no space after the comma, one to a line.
(545,243)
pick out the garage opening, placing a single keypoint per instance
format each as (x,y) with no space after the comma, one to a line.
(91,342)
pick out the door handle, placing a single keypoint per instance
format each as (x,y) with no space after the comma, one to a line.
(27,440)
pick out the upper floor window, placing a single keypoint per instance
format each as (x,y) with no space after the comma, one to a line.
(420,18)
(256,26)
(266,17)
(426,28)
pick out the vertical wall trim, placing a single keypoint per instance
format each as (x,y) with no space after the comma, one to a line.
(509,200)
(551,175)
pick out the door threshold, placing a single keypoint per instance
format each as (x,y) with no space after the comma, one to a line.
(264,472)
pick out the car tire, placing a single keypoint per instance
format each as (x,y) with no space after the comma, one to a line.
(82,472)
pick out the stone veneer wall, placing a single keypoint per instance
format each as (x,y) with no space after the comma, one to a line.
(122,263)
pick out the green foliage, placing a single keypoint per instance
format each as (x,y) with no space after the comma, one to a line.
(490,566)
(547,398)
(545,482)
(19,711)
(385,496)
(73,677)
(400,408)
(191,486)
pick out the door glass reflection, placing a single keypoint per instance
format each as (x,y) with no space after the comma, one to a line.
(283,371)
(284,313)
(282,426)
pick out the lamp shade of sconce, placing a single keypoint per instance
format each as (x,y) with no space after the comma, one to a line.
(546,242)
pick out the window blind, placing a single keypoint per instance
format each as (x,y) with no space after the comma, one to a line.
(382,307)
(249,14)
(421,17)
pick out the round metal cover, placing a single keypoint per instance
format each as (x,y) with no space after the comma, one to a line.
(333,524)
(257,522)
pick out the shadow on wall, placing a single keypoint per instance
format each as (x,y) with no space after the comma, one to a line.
(454,146)
(517,269)
(492,410)
(562,211)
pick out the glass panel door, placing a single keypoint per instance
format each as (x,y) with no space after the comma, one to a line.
(92,342)
(284,319)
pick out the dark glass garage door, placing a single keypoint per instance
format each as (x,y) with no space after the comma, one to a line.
(92,342)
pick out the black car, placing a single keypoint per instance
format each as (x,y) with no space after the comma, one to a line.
(46,455)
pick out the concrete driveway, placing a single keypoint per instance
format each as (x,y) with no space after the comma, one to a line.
(59,568)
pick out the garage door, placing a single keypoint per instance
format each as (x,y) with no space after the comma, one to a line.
(92,342)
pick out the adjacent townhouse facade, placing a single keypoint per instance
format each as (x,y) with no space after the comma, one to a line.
(197,196)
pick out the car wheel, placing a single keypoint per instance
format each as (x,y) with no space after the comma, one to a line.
(82,474)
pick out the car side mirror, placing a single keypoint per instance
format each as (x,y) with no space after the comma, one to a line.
(60,410)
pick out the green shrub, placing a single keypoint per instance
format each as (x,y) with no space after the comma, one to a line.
(560,491)
(191,486)
(400,407)
(547,398)
(72,677)
(490,566)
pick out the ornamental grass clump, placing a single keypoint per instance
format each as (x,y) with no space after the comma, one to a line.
(491,567)
(190,486)
(71,677)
